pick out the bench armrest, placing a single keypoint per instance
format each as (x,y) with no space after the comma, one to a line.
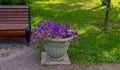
(28,34)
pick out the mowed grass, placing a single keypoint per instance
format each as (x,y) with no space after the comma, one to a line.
(96,46)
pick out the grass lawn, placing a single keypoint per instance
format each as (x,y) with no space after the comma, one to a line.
(96,46)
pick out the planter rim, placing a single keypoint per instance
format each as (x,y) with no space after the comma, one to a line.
(60,40)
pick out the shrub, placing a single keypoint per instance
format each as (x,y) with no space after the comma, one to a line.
(15,2)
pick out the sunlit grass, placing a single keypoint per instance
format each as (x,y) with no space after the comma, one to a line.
(115,2)
(49,2)
(87,28)
(96,46)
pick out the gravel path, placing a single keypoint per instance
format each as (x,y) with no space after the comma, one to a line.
(15,55)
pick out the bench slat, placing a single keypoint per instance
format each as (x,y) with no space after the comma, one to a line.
(13,16)
(9,9)
(13,12)
(13,27)
(3,19)
(13,6)
(12,33)
(14,22)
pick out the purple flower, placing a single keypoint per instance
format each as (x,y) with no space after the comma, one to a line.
(48,29)
(79,39)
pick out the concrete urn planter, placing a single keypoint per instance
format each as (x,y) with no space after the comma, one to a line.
(56,49)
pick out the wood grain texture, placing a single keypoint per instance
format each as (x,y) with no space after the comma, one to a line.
(13,26)
(13,20)
(13,12)
(12,33)
(12,9)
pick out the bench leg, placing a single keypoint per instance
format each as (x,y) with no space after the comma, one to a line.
(27,35)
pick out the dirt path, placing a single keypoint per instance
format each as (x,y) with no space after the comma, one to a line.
(15,55)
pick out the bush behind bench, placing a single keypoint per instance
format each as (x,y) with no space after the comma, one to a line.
(15,2)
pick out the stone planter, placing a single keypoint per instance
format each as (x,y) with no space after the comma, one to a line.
(56,49)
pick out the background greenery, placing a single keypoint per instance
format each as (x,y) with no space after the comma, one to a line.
(96,46)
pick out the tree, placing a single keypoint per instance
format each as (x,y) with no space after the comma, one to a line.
(108,2)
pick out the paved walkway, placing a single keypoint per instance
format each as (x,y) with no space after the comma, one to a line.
(21,57)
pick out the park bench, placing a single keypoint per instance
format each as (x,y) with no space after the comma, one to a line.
(15,21)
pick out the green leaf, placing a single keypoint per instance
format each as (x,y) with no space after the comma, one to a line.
(118,3)
(116,14)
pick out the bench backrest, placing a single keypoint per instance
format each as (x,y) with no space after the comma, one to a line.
(14,14)
(13,17)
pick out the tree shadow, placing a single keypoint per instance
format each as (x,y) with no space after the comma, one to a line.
(96,7)
(96,46)
(68,13)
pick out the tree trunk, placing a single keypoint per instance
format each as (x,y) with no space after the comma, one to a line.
(107,15)
(104,2)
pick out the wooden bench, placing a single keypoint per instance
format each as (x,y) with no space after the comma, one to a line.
(15,21)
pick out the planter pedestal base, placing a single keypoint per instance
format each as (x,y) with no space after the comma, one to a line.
(45,60)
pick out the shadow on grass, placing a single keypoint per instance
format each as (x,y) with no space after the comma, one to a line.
(96,7)
(66,13)
(96,46)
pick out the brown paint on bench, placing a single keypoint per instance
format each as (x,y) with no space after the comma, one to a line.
(14,21)
(17,33)
(13,27)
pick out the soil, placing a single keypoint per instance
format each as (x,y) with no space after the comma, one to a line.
(15,55)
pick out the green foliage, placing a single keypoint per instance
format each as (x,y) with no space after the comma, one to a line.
(118,3)
(15,2)
(96,47)
(104,2)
